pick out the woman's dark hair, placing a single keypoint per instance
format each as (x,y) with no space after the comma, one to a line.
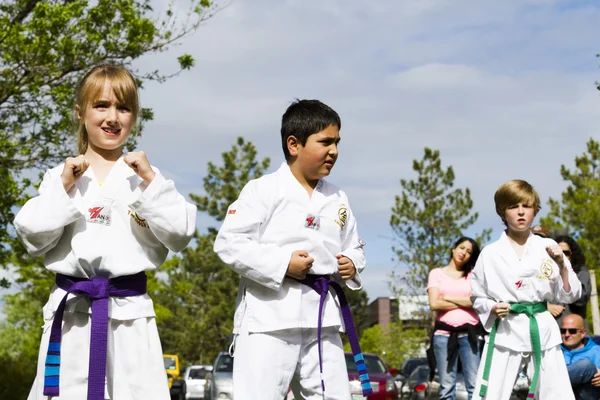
(469,265)
(577,258)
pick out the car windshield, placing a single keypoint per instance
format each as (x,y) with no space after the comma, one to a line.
(169,363)
(420,374)
(197,373)
(373,363)
(224,363)
(412,363)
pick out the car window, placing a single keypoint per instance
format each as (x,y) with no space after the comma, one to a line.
(373,363)
(169,363)
(197,373)
(224,363)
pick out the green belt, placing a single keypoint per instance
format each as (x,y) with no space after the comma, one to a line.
(529,309)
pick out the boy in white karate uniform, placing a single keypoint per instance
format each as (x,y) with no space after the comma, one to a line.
(285,234)
(512,281)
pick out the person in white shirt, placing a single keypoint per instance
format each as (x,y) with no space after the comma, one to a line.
(101,220)
(513,280)
(287,234)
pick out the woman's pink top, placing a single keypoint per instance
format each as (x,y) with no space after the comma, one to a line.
(453,287)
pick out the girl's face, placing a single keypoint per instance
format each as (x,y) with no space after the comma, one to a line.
(519,217)
(462,253)
(107,122)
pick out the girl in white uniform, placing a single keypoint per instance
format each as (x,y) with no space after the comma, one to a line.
(101,219)
(512,281)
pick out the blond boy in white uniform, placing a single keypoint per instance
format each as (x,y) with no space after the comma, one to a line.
(512,281)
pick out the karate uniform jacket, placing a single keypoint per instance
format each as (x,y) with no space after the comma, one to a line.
(273,217)
(499,276)
(121,227)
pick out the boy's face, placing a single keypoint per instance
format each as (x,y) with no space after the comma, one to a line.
(519,217)
(317,157)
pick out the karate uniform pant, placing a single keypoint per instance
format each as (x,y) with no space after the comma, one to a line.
(266,365)
(553,380)
(134,365)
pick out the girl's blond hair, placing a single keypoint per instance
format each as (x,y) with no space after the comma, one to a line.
(515,192)
(91,87)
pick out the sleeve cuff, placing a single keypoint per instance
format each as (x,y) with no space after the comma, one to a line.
(151,192)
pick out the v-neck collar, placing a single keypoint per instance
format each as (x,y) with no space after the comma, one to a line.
(509,246)
(287,172)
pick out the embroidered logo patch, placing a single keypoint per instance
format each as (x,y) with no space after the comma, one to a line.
(99,215)
(312,222)
(140,221)
(342,215)
(546,270)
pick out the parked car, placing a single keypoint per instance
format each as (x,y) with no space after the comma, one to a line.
(195,380)
(382,382)
(219,382)
(408,366)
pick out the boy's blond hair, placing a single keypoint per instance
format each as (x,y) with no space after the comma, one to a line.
(515,192)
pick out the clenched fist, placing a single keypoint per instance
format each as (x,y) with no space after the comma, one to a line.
(300,264)
(138,162)
(556,253)
(346,267)
(74,168)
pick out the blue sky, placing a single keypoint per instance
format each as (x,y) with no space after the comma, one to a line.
(504,89)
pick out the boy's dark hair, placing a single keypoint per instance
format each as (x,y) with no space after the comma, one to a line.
(469,265)
(304,118)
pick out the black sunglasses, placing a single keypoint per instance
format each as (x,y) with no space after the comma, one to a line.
(567,253)
(571,331)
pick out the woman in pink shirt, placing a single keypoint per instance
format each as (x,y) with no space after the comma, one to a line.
(457,329)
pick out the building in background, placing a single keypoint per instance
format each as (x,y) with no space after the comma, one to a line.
(411,310)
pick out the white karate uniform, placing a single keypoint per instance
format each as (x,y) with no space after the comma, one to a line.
(499,276)
(273,217)
(119,227)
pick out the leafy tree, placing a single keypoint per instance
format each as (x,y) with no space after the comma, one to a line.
(428,216)
(200,290)
(394,343)
(45,48)
(578,211)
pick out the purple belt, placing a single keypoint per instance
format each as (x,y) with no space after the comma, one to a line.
(98,290)
(321,284)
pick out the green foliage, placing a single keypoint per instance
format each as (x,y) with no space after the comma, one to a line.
(428,216)
(579,208)
(45,48)
(21,332)
(200,290)
(393,344)
(223,184)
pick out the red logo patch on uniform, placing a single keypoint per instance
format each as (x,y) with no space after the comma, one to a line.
(519,284)
(99,215)
(231,212)
(312,222)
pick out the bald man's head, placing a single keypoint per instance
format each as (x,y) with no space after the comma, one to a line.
(572,331)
